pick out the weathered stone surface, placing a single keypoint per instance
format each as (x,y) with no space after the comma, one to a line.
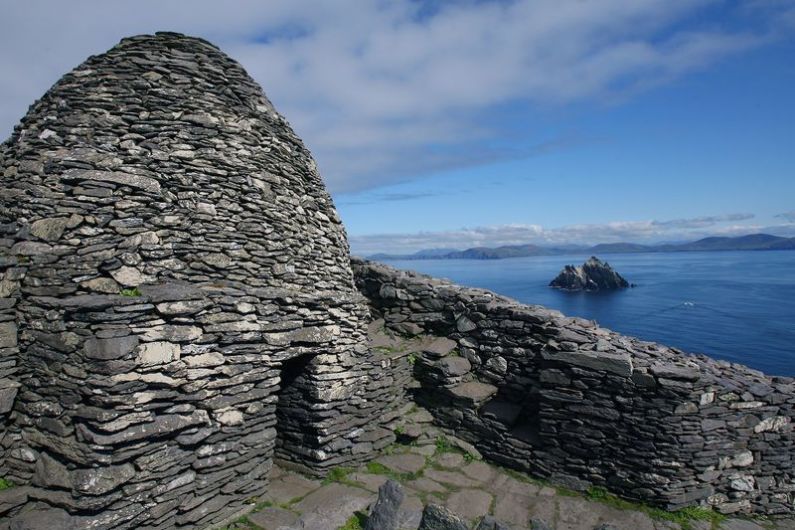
(454,366)
(101,285)
(47,519)
(12,498)
(490,523)
(539,524)
(436,517)
(402,463)
(450,460)
(450,477)
(155,353)
(101,480)
(273,518)
(116,177)
(619,364)
(469,503)
(290,487)
(8,392)
(384,515)
(49,229)
(331,506)
(110,348)
(8,335)
(474,391)
(50,472)
(440,347)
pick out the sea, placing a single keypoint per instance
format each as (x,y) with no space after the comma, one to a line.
(733,305)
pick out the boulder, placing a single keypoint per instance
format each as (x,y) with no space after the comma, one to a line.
(385,511)
(436,517)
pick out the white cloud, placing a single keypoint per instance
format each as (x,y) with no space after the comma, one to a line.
(377,91)
(787,216)
(650,231)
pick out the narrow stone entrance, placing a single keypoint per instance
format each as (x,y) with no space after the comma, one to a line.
(293,421)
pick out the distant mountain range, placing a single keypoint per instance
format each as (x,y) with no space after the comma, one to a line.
(750,242)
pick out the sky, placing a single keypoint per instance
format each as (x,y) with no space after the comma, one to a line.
(467,123)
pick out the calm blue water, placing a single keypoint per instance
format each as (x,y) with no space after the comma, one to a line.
(738,306)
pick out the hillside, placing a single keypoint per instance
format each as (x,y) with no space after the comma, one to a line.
(749,242)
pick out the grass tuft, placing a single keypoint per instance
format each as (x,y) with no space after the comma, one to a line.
(262,505)
(684,517)
(338,474)
(135,291)
(376,468)
(5,484)
(443,445)
(356,522)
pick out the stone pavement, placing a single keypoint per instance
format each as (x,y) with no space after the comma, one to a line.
(432,470)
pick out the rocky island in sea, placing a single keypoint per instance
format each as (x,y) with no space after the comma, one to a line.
(593,275)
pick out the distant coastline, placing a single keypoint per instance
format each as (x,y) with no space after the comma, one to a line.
(749,242)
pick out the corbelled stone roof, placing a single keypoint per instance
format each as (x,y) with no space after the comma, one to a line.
(167,134)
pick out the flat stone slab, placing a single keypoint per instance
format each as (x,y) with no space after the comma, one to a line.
(439,347)
(331,505)
(742,524)
(469,503)
(410,513)
(370,481)
(450,477)
(426,485)
(512,509)
(450,460)
(474,391)
(454,366)
(289,487)
(403,463)
(274,519)
(507,484)
(480,471)
(420,416)
(574,513)
(424,450)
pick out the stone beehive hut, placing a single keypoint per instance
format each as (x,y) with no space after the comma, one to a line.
(176,299)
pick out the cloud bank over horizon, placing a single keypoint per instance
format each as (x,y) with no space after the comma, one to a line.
(386,91)
(644,232)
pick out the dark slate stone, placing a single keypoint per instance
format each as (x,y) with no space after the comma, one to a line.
(109,349)
(490,523)
(385,512)
(436,517)
(539,524)
(44,520)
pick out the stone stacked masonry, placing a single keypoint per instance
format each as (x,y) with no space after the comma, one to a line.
(564,399)
(177,306)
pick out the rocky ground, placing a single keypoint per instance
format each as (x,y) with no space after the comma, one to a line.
(432,469)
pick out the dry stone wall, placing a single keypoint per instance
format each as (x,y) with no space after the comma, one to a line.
(176,300)
(565,399)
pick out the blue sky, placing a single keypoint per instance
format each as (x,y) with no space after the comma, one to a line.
(485,123)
